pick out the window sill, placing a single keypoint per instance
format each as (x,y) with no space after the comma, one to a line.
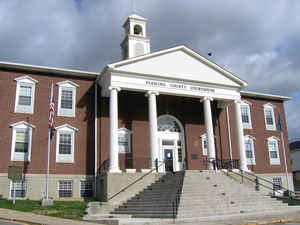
(24,112)
(274,163)
(62,115)
(20,160)
(64,161)
(271,128)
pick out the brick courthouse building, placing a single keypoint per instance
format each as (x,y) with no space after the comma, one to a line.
(171,104)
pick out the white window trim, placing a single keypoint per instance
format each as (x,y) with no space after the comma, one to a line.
(72,188)
(274,161)
(70,86)
(203,138)
(249,124)
(270,106)
(30,82)
(252,160)
(22,156)
(11,188)
(66,128)
(128,133)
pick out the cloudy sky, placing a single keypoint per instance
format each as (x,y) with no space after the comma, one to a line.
(259,41)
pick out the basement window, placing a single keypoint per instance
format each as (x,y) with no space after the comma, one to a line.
(20,188)
(277,183)
(65,189)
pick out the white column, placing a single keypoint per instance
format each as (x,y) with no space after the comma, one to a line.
(153,127)
(113,131)
(209,130)
(240,135)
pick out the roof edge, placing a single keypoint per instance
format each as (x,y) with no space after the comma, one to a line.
(266,96)
(45,69)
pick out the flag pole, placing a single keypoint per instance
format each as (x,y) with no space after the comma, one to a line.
(283,148)
(47,201)
(284,155)
(48,162)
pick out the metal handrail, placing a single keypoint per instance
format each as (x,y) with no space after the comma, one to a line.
(175,202)
(267,181)
(140,178)
(255,179)
(222,163)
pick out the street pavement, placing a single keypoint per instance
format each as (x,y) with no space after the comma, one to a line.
(7,223)
(294,223)
(289,217)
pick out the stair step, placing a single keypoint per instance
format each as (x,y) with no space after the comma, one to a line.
(202,195)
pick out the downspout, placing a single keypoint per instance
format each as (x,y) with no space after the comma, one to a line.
(96,139)
(229,134)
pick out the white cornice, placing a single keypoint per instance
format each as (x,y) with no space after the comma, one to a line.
(265,96)
(66,126)
(48,70)
(26,77)
(22,123)
(62,83)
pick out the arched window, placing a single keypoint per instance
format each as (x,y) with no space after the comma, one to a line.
(138,30)
(168,123)
(273,150)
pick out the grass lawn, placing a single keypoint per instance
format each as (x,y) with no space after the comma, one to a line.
(67,210)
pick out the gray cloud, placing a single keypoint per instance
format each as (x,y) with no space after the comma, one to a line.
(256,40)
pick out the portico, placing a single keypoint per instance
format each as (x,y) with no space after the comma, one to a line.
(151,75)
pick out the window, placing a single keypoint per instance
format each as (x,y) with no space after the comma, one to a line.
(25,92)
(18,187)
(65,143)
(138,30)
(269,117)
(66,98)
(273,150)
(204,144)
(21,141)
(277,183)
(86,188)
(124,140)
(65,189)
(246,116)
(249,148)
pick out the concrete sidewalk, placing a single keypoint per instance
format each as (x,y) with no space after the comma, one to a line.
(291,215)
(34,219)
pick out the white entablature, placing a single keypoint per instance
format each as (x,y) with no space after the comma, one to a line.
(175,71)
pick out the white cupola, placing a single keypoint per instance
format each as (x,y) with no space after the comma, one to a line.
(135,42)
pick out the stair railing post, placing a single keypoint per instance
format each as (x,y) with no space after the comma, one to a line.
(256,183)
(156,165)
(242,176)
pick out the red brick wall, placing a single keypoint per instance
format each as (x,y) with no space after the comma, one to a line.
(83,121)
(133,114)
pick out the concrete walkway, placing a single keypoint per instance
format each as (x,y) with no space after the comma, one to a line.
(34,219)
(291,215)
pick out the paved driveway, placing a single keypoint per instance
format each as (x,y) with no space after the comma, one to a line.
(6,223)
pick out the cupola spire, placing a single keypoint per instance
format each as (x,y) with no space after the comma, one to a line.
(136,42)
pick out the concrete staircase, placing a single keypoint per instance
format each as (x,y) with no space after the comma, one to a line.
(211,193)
(204,194)
(155,201)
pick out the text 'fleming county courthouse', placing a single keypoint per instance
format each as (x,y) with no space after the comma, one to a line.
(172,106)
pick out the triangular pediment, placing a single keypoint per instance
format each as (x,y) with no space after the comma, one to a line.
(180,63)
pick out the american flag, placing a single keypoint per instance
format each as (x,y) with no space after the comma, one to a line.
(51,108)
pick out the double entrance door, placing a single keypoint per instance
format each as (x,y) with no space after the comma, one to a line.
(171,151)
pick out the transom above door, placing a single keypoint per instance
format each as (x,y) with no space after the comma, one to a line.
(171,143)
